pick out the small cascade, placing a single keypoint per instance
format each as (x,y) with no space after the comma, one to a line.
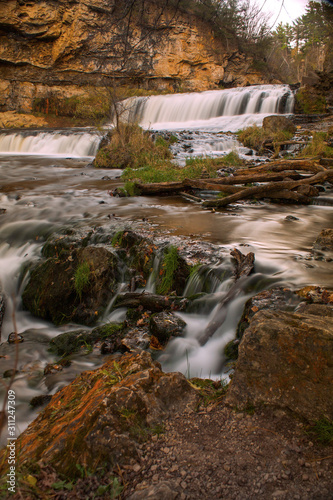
(213,110)
(56,143)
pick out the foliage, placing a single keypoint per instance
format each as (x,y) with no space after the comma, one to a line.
(322,430)
(169,267)
(309,101)
(211,392)
(317,147)
(169,172)
(81,278)
(131,147)
(255,137)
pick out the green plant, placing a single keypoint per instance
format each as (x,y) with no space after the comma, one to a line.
(81,278)
(255,137)
(169,267)
(322,430)
(317,147)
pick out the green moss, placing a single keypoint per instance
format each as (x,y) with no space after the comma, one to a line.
(309,101)
(81,278)
(169,267)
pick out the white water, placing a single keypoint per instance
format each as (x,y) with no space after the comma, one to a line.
(216,110)
(50,144)
(42,194)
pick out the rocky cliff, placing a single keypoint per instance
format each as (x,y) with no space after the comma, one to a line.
(62,48)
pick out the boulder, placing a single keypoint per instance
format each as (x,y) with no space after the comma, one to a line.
(285,360)
(102,416)
(75,286)
(276,123)
(69,342)
(165,325)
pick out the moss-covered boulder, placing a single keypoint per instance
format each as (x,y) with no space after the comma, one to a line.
(70,342)
(310,101)
(102,416)
(76,286)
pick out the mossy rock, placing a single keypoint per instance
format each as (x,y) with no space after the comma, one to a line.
(50,293)
(70,342)
(310,101)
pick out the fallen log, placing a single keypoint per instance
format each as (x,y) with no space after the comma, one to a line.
(150,301)
(244,267)
(282,165)
(257,177)
(261,191)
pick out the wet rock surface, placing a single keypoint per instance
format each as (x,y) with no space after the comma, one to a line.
(166,325)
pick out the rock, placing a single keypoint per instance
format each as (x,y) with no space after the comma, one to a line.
(11,119)
(101,417)
(15,338)
(70,342)
(71,43)
(276,123)
(308,190)
(165,490)
(324,241)
(285,360)
(165,325)
(73,287)
(40,400)
(278,298)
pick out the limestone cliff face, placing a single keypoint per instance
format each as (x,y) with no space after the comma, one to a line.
(61,47)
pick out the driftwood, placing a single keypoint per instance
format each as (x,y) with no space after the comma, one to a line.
(244,267)
(150,301)
(258,177)
(267,189)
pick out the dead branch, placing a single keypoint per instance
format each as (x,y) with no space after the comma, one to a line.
(261,191)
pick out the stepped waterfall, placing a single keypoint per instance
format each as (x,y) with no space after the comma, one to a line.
(219,110)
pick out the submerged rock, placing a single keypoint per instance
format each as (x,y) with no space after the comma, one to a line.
(285,360)
(102,415)
(324,241)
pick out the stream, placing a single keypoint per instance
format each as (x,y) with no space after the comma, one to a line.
(47,183)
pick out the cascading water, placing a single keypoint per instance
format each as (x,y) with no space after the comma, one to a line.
(218,110)
(57,143)
(42,195)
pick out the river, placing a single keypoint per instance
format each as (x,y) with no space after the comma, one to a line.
(48,182)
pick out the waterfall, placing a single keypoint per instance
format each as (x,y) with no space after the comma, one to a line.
(219,110)
(56,143)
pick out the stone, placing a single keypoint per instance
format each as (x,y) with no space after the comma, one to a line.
(72,47)
(103,415)
(324,241)
(51,292)
(285,360)
(276,123)
(165,490)
(165,325)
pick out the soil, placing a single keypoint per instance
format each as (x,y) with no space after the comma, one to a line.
(221,453)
